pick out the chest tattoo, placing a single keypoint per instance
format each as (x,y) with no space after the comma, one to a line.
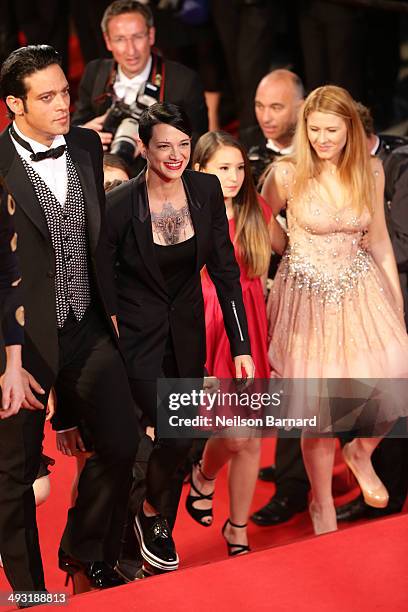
(171,225)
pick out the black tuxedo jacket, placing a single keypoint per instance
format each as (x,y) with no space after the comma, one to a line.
(36,253)
(146,313)
(182,86)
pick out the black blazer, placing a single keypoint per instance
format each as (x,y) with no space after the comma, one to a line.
(182,86)
(12,317)
(146,313)
(36,254)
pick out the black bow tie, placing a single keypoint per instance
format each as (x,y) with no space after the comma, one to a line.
(49,154)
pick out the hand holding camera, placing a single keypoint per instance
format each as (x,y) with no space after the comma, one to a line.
(96,124)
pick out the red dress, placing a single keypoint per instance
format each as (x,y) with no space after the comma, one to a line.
(219,361)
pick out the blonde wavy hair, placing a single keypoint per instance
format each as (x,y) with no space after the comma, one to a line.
(354,166)
(251,232)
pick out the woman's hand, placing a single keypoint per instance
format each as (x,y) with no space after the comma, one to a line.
(365,241)
(70,442)
(244,369)
(11,384)
(17,385)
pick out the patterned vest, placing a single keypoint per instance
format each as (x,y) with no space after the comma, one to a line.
(68,230)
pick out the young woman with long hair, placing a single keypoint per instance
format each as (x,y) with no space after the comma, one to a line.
(248,216)
(335,310)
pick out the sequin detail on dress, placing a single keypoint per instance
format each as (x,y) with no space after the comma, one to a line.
(326,287)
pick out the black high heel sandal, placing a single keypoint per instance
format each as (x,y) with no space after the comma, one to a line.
(239,548)
(198,514)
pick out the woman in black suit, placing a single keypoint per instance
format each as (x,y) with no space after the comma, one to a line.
(165,225)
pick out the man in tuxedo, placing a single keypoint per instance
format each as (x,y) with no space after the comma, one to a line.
(278,99)
(135,70)
(55,177)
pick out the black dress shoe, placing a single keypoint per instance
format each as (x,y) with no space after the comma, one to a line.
(353,511)
(99,573)
(156,544)
(267,474)
(277,510)
(358,509)
(102,575)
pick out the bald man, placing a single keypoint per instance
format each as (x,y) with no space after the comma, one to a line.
(278,99)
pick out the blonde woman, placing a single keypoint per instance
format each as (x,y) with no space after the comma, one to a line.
(248,217)
(335,310)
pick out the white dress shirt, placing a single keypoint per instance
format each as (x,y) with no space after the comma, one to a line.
(273,147)
(127,89)
(376,146)
(52,171)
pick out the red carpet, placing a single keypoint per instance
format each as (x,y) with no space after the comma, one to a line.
(357,570)
(196,545)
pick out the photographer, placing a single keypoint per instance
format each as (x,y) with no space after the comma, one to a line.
(114,92)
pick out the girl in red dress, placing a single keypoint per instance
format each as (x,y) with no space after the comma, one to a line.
(249,217)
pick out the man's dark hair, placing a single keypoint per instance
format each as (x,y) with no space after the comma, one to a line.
(111,160)
(366,119)
(120,7)
(162,112)
(20,64)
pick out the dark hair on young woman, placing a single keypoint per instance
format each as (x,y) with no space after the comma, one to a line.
(162,112)
(251,232)
(20,64)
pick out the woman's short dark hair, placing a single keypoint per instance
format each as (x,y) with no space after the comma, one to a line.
(20,64)
(163,112)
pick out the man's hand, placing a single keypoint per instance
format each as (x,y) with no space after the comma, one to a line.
(96,125)
(70,442)
(211,384)
(115,324)
(52,405)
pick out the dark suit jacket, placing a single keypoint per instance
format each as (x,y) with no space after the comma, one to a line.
(146,312)
(396,213)
(181,86)
(36,254)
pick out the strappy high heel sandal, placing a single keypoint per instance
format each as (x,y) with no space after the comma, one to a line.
(235,549)
(198,514)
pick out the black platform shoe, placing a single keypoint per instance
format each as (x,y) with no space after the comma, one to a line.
(156,543)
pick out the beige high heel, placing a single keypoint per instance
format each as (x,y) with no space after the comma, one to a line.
(376,497)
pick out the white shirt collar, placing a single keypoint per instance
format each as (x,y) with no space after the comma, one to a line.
(375,147)
(137,80)
(273,147)
(38,146)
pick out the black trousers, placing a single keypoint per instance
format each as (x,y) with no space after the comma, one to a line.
(290,477)
(163,480)
(333,45)
(92,381)
(246,32)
